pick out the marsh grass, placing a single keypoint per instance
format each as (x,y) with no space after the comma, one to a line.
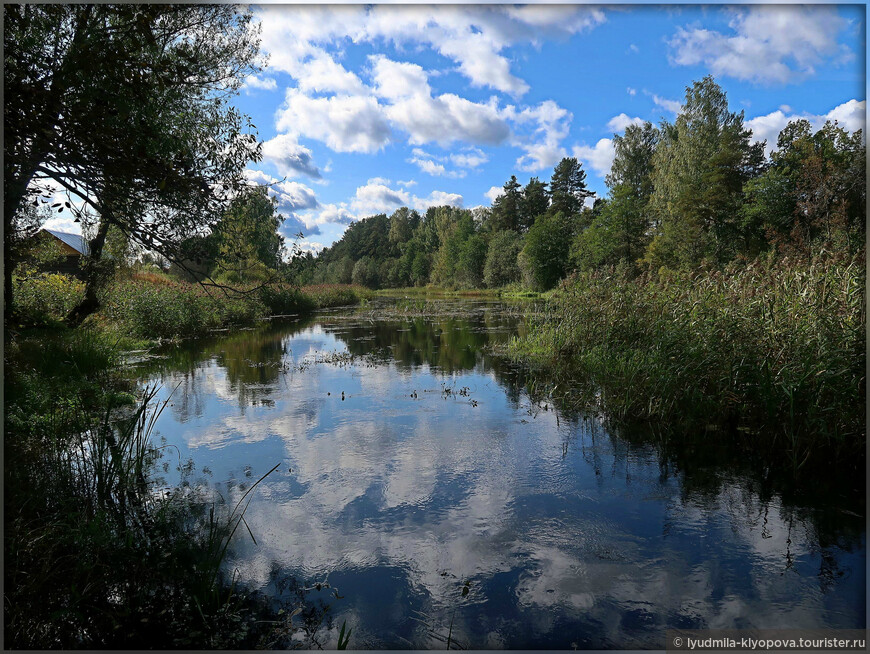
(771,352)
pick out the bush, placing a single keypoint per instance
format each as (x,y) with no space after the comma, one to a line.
(501,267)
(545,255)
(285,299)
(44,297)
(336,295)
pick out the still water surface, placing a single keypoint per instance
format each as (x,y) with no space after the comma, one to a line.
(413,461)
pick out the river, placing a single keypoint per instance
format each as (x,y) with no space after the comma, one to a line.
(432,498)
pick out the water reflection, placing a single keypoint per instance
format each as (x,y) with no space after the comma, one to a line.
(419,463)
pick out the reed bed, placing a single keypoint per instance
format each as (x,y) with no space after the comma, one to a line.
(773,350)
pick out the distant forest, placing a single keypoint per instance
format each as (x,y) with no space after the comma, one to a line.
(695,192)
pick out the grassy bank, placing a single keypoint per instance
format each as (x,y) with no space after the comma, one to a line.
(514,291)
(96,555)
(772,352)
(155,306)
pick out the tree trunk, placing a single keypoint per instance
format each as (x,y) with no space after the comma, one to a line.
(93,277)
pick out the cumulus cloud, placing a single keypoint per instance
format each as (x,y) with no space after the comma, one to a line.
(768,44)
(448,118)
(673,106)
(620,122)
(474,37)
(599,157)
(395,80)
(292,197)
(254,82)
(344,123)
(549,125)
(429,163)
(374,198)
(493,193)
(380,196)
(471,158)
(290,157)
(850,115)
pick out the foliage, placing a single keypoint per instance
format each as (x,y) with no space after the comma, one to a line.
(45,297)
(249,246)
(568,189)
(94,555)
(507,207)
(545,255)
(699,168)
(501,267)
(124,107)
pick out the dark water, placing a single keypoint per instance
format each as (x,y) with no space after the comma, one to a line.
(419,463)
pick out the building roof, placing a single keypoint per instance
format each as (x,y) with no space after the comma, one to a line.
(75,241)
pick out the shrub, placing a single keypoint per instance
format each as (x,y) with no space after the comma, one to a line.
(46,297)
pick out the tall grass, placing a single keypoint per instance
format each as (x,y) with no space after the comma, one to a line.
(337,295)
(94,556)
(773,350)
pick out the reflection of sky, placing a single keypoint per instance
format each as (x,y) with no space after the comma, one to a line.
(566,534)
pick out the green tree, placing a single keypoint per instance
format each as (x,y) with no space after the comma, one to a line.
(403,222)
(472,257)
(507,207)
(568,190)
(535,203)
(249,246)
(620,229)
(501,267)
(699,169)
(545,256)
(125,107)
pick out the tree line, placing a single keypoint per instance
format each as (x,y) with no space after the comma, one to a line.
(695,192)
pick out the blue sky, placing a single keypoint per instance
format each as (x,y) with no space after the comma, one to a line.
(363,109)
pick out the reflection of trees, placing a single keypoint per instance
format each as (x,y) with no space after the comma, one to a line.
(251,359)
(709,469)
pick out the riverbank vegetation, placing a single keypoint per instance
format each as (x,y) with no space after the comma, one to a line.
(127,110)
(715,287)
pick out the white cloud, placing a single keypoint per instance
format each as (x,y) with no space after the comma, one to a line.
(333,213)
(598,157)
(437,199)
(254,82)
(471,158)
(769,44)
(374,198)
(291,196)
(474,37)
(310,246)
(395,80)
(673,106)
(631,91)
(344,123)
(550,124)
(429,163)
(494,192)
(428,166)
(620,122)
(378,196)
(850,115)
(290,157)
(448,118)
